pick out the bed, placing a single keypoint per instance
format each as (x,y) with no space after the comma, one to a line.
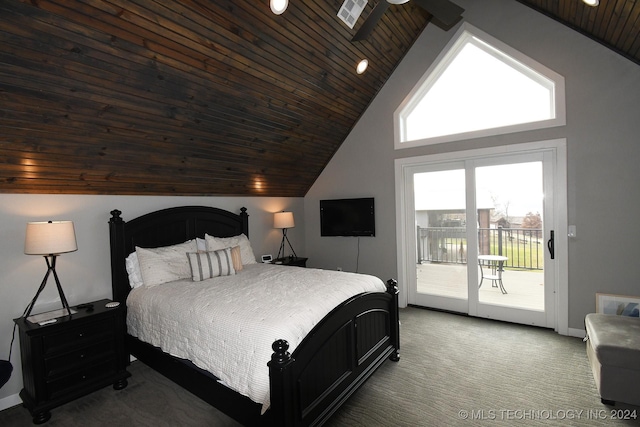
(305,385)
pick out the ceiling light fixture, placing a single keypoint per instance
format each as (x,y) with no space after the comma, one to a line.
(278,6)
(592,3)
(362,66)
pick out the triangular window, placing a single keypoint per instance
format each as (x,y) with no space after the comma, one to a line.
(479,87)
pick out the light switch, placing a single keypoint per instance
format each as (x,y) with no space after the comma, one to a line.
(572,231)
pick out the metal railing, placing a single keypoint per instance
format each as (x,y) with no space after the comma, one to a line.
(442,244)
(524,247)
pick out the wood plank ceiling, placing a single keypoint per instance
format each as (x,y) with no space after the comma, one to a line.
(202,97)
(191,97)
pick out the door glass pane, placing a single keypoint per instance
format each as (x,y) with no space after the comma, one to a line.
(441,233)
(509,199)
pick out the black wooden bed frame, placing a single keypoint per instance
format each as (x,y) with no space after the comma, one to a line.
(307,386)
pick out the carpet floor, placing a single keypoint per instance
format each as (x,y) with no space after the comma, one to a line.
(454,371)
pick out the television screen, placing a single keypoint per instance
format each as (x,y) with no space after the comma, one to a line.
(347,217)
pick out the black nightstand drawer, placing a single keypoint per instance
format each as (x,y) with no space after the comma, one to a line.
(78,337)
(80,379)
(83,356)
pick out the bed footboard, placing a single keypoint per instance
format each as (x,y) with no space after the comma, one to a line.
(335,359)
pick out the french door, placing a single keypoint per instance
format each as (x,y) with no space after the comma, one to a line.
(484,234)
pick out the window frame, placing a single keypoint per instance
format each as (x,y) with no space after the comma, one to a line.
(467,33)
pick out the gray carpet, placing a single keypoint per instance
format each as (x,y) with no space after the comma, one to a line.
(454,370)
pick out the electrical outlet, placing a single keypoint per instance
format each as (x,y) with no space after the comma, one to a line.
(339,268)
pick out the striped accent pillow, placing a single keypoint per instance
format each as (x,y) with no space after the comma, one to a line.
(205,265)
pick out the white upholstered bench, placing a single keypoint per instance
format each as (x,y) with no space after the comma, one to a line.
(613,348)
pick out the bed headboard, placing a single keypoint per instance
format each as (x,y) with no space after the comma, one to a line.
(162,228)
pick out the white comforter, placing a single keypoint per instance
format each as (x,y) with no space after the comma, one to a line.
(226,325)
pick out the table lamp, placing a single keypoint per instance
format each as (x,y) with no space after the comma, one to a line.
(50,239)
(284,220)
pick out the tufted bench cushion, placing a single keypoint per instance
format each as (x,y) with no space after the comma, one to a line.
(613,347)
(615,339)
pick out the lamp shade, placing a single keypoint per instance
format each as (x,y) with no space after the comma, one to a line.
(283,220)
(49,238)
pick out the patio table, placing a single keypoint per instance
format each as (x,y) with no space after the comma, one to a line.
(495,263)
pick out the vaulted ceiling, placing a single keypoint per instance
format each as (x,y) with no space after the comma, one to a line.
(614,23)
(202,97)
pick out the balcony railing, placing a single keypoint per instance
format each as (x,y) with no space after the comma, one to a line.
(524,247)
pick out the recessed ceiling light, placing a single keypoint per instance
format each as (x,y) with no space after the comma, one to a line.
(278,6)
(591,2)
(362,66)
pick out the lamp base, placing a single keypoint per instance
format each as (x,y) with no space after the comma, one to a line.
(47,316)
(51,268)
(281,250)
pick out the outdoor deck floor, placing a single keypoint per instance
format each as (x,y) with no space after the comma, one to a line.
(525,289)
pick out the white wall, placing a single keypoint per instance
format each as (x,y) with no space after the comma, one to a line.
(602,132)
(85,275)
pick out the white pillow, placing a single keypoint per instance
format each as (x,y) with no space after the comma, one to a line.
(133,266)
(205,265)
(165,264)
(246,253)
(133,270)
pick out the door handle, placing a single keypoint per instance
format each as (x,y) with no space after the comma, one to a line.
(551,246)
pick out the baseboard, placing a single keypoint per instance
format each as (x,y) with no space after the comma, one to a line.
(10,401)
(579,333)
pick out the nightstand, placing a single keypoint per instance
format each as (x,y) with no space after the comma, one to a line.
(294,261)
(71,357)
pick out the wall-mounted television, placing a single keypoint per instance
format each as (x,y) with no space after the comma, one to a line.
(347,217)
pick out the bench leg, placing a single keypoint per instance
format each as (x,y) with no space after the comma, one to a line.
(608,402)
